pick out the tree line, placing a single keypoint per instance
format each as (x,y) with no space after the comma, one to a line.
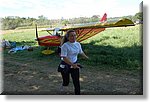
(13,22)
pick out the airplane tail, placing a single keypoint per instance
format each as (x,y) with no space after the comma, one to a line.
(104,18)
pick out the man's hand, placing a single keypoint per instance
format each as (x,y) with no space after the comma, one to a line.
(75,66)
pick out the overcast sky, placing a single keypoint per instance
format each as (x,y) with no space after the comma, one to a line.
(56,9)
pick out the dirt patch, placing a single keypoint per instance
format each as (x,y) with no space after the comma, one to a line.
(40,77)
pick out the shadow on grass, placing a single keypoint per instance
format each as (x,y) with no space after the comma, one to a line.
(130,58)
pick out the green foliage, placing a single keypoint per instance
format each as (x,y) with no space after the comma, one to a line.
(139,16)
(64,22)
(13,22)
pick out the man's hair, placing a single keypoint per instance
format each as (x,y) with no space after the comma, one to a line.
(68,32)
(65,39)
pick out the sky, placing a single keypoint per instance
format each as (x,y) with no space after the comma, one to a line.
(57,9)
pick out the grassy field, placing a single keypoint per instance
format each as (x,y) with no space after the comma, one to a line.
(114,67)
(118,47)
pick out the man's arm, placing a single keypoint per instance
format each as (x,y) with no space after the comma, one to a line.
(84,55)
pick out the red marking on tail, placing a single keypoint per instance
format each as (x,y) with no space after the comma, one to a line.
(104,18)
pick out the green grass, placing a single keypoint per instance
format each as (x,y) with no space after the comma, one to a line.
(116,47)
(119,48)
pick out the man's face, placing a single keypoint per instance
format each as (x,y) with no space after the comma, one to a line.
(72,37)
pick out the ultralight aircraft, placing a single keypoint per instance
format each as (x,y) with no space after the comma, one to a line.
(83,32)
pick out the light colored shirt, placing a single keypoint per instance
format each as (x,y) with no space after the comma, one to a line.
(71,51)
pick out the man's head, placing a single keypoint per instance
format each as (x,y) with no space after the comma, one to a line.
(71,36)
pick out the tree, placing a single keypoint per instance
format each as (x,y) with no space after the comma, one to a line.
(139,16)
(42,20)
(94,18)
(11,22)
(64,22)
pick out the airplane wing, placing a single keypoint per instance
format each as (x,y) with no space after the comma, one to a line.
(87,31)
(120,23)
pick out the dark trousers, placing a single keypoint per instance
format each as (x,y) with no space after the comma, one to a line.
(75,77)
